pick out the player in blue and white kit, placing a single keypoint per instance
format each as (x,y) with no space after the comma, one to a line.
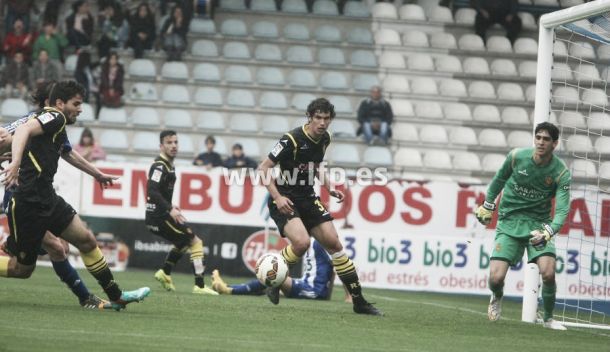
(316,282)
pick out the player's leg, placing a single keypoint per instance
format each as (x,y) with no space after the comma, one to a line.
(198,265)
(251,288)
(159,228)
(23,242)
(545,259)
(497,274)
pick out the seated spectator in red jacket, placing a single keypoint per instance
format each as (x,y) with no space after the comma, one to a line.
(111,82)
(18,40)
(16,76)
(210,158)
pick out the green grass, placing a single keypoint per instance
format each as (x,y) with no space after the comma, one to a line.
(40,314)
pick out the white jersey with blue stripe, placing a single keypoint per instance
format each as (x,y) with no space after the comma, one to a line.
(317,274)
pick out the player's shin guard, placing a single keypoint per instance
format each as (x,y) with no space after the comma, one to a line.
(497,289)
(172,258)
(97,266)
(4,266)
(347,273)
(70,277)
(197,262)
(548,299)
(289,256)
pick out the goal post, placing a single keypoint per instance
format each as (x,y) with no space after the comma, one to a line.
(587,25)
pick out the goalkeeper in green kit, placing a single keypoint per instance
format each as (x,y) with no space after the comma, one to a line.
(530,178)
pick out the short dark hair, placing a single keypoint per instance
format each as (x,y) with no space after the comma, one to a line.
(65,90)
(41,94)
(550,128)
(210,139)
(237,146)
(166,133)
(321,105)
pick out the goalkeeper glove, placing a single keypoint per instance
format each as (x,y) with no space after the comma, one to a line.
(484,212)
(541,237)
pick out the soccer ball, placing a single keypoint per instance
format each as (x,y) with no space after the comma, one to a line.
(271,269)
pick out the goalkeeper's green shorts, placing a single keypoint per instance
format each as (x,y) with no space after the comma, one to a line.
(512,238)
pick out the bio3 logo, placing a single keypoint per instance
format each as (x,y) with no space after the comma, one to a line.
(260,243)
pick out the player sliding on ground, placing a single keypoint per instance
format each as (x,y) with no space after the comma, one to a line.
(295,207)
(530,178)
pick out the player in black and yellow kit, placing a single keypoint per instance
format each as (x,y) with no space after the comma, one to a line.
(166,220)
(294,205)
(35,207)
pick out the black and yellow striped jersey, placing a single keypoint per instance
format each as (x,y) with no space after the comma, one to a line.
(160,188)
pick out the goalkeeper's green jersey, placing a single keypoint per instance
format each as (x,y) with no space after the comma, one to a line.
(529,189)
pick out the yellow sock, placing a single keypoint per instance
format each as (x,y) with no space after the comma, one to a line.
(343,265)
(94,260)
(4,266)
(289,256)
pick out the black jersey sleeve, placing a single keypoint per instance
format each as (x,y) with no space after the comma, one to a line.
(283,149)
(157,176)
(52,122)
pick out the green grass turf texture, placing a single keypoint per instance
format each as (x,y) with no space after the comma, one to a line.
(40,314)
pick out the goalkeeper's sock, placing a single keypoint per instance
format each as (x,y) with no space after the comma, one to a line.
(548,299)
(347,273)
(497,289)
(97,266)
(253,287)
(70,277)
(4,265)
(289,256)
(172,258)
(197,262)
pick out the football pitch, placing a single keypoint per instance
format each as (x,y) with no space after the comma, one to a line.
(40,314)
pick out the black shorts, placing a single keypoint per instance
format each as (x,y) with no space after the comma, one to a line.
(180,235)
(28,224)
(309,209)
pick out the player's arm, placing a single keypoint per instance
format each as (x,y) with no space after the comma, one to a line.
(156,175)
(562,207)
(77,160)
(5,140)
(22,135)
(485,210)
(325,180)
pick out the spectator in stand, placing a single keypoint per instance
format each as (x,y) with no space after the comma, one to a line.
(210,158)
(87,147)
(83,74)
(79,25)
(16,75)
(114,29)
(173,34)
(111,82)
(238,159)
(503,12)
(44,70)
(142,30)
(18,40)
(51,11)
(51,41)
(18,9)
(375,116)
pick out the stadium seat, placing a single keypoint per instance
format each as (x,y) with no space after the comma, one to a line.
(359,35)
(476,66)
(602,145)
(579,144)
(433,134)
(463,136)
(265,29)
(331,56)
(411,12)
(560,49)
(528,68)
(206,72)
(233,5)
(598,121)
(396,84)
(342,104)
(178,94)
(402,107)
(363,58)
(263,5)
(275,124)
(302,78)
(294,6)
(178,118)
(87,114)
(492,162)
(457,111)
(415,38)
(175,70)
(238,74)
(325,7)
(499,44)
(526,46)
(453,88)
(14,108)
(442,40)
(243,123)
(345,154)
(387,36)
(465,16)
(510,91)
(503,67)
(530,93)
(384,10)
(528,21)
(603,52)
(110,139)
(112,115)
(420,62)
(186,148)
(299,54)
(428,110)
(440,14)
(604,170)
(565,95)
(236,50)
(251,148)
(273,100)
(437,159)
(466,161)
(423,85)
(595,96)
(356,9)
(582,50)
(586,73)
(378,156)
(143,91)
(220,147)
(471,42)
(145,116)
(210,120)
(515,116)
(605,75)
(142,68)
(333,80)
(268,52)
(486,113)
(208,96)
(300,101)
(390,59)
(491,137)
(364,82)
(233,28)
(572,119)
(144,141)
(74,133)
(296,31)
(240,98)
(327,33)
(481,89)
(202,26)
(449,63)
(407,157)
(583,168)
(204,48)
(520,139)
(405,132)
(70,64)
(270,76)
(343,128)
